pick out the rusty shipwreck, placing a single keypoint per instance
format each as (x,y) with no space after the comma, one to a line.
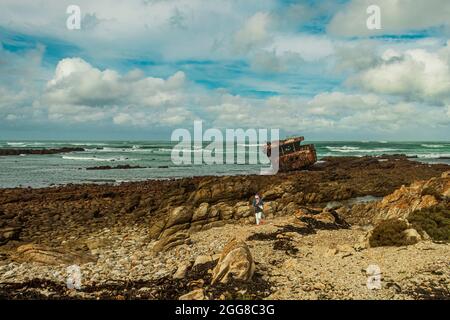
(292,154)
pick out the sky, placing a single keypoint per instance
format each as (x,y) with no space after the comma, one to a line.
(139,69)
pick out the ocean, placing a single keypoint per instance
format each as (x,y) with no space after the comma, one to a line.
(155,156)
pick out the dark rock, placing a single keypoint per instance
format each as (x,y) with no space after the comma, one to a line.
(17,152)
(121,167)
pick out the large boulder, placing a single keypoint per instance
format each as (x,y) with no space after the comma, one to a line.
(242,209)
(156,228)
(201,213)
(179,215)
(235,262)
(225,211)
(271,208)
(182,270)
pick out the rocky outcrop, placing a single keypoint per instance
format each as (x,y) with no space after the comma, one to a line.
(235,262)
(316,218)
(171,241)
(391,216)
(120,166)
(407,199)
(199,203)
(50,256)
(17,152)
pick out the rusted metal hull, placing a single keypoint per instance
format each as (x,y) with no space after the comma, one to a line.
(292,155)
(298,160)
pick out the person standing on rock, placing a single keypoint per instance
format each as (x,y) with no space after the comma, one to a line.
(258,204)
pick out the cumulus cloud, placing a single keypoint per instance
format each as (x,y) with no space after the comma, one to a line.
(80,92)
(415,74)
(254,33)
(396,17)
(20,83)
(254,49)
(331,112)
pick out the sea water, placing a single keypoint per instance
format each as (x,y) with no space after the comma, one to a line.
(155,157)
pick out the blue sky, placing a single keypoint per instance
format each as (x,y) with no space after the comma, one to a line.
(139,69)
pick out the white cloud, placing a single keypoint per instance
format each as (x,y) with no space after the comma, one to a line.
(396,16)
(308,47)
(80,92)
(415,74)
(331,112)
(254,33)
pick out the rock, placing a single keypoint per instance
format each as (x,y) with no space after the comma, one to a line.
(201,212)
(179,215)
(345,248)
(411,236)
(405,200)
(270,208)
(50,256)
(314,218)
(196,284)
(197,294)
(225,211)
(273,193)
(156,229)
(330,252)
(94,244)
(290,209)
(174,229)
(121,166)
(215,257)
(9,233)
(202,260)
(172,241)
(182,270)
(214,224)
(241,210)
(17,152)
(325,217)
(319,286)
(360,246)
(235,262)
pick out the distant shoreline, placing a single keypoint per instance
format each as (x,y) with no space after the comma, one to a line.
(324,162)
(18,152)
(152,160)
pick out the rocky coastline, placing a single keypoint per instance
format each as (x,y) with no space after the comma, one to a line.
(18,152)
(195,238)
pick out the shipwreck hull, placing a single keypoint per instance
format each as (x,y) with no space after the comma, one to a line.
(293,155)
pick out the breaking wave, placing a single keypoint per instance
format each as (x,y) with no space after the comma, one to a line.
(98,159)
(433,145)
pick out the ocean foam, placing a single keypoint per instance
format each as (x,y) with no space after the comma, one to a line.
(432,145)
(97,159)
